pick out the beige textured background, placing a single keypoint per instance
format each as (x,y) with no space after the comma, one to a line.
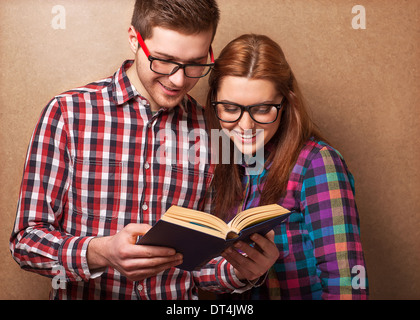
(361,85)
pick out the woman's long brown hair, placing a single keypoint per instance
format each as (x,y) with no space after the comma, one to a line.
(258,57)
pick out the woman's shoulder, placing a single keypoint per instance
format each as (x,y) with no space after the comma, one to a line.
(318,161)
(314,148)
(317,153)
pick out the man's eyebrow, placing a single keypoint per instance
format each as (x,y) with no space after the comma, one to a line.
(166,56)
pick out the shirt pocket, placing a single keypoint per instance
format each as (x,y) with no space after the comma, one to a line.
(95,188)
(187,186)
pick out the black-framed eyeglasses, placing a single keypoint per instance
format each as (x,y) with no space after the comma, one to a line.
(263,113)
(168,67)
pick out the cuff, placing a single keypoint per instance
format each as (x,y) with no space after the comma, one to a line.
(249,284)
(227,278)
(72,256)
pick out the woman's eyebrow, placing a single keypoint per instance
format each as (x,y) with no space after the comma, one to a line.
(254,104)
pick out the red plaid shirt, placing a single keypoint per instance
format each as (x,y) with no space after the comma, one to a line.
(97,161)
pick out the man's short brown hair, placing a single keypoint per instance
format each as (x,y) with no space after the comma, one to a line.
(186,16)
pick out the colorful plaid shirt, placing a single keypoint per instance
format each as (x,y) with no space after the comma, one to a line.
(321,254)
(97,161)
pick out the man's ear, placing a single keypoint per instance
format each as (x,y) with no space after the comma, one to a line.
(132,39)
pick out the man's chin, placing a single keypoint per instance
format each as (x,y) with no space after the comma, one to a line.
(170,102)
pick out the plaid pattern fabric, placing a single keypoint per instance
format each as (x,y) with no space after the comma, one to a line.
(320,244)
(97,161)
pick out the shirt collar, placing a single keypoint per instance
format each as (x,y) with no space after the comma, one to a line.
(122,89)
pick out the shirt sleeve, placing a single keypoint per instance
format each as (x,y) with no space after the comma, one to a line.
(218,276)
(37,242)
(331,215)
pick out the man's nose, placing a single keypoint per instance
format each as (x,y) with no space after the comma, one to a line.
(178,78)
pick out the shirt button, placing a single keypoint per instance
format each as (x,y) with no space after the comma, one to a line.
(144,207)
(147,165)
(140,287)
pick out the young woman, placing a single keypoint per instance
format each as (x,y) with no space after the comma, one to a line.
(254,97)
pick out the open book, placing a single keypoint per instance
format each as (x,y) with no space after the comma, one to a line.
(200,236)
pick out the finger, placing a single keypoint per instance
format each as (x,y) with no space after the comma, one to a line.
(270,235)
(250,252)
(244,268)
(267,246)
(133,230)
(143,251)
(238,260)
(151,263)
(141,274)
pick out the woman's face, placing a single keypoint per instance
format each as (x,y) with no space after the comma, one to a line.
(247,134)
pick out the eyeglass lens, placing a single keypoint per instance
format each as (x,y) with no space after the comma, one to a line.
(169,67)
(260,113)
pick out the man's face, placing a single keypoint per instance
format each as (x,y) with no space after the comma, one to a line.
(168,90)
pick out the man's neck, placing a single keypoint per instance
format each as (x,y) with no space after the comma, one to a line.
(135,81)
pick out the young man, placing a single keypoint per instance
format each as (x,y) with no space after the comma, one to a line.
(96,174)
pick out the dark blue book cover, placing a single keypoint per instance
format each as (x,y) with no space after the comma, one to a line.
(198,247)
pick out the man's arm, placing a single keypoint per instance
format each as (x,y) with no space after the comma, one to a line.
(39,244)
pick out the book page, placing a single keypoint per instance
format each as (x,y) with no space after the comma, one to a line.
(255,215)
(198,217)
(197,227)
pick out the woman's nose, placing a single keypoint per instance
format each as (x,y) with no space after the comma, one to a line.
(246,122)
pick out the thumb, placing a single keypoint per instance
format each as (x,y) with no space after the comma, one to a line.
(133,230)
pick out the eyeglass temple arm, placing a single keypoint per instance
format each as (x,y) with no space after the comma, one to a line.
(211,54)
(147,53)
(142,44)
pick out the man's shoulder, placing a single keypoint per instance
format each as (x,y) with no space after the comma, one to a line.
(93,87)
